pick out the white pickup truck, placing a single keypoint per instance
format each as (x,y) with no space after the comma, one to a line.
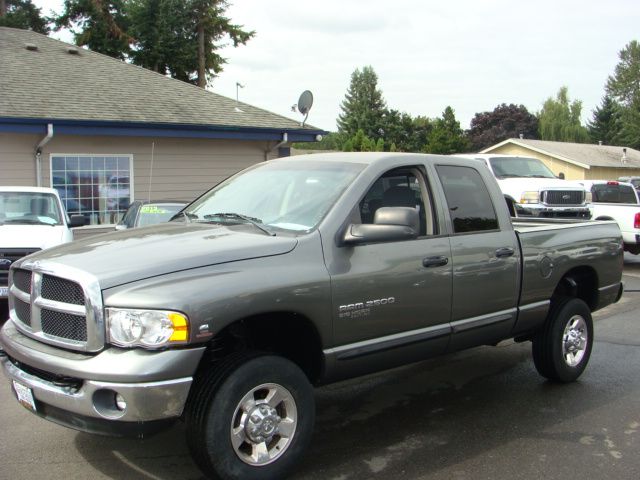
(31,219)
(532,190)
(611,200)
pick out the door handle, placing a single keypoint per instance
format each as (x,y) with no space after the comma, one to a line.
(438,261)
(504,252)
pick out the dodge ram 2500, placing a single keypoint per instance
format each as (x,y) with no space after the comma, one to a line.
(293,273)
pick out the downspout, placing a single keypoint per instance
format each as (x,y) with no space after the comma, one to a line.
(38,153)
(285,139)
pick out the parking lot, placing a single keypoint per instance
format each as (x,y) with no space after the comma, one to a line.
(478,414)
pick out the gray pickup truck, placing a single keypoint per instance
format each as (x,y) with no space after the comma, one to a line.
(293,273)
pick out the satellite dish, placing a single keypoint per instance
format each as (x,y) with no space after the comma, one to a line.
(304,104)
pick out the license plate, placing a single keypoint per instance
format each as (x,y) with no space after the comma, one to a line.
(4,292)
(25,396)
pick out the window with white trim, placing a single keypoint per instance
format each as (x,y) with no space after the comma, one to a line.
(99,187)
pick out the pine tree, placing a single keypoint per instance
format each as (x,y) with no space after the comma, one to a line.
(363,107)
(446,137)
(23,14)
(624,87)
(605,124)
(97,24)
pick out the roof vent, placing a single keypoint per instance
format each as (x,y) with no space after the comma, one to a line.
(72,51)
(31,46)
(600,142)
(624,155)
(521,136)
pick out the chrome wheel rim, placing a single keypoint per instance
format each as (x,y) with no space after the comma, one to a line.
(264,424)
(574,340)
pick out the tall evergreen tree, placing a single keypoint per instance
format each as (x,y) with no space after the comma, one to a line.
(605,123)
(447,137)
(505,121)
(624,86)
(363,107)
(559,119)
(97,24)
(23,14)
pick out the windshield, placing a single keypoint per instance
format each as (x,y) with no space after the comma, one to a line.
(29,208)
(153,213)
(505,167)
(283,194)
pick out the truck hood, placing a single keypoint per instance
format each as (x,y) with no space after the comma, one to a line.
(122,257)
(32,236)
(514,187)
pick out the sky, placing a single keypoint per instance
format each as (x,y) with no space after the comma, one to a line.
(471,55)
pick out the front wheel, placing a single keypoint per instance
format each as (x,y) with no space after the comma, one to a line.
(562,349)
(251,418)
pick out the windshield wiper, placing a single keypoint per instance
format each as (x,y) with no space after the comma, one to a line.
(256,222)
(538,176)
(508,175)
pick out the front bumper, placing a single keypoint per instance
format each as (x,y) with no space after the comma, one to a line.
(545,211)
(79,390)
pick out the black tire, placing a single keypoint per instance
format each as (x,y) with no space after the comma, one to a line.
(215,405)
(552,350)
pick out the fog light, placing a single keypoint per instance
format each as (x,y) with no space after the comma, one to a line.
(120,402)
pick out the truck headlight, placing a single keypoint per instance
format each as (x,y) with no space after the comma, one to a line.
(146,328)
(530,197)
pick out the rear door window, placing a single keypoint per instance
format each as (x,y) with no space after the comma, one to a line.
(468,199)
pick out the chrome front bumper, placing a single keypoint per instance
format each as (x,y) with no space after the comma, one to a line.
(79,387)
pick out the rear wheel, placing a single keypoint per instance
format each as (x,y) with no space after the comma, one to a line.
(250,419)
(562,349)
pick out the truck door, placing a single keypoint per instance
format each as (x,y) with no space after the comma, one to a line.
(485,260)
(393,299)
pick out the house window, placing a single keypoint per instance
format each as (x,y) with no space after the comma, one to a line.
(97,186)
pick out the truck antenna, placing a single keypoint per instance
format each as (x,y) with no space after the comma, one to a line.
(153,144)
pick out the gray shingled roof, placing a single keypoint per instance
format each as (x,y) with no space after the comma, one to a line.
(586,154)
(51,83)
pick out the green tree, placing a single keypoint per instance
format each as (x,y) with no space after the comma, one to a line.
(559,119)
(605,124)
(624,87)
(97,24)
(409,134)
(23,14)
(363,107)
(212,29)
(505,121)
(446,137)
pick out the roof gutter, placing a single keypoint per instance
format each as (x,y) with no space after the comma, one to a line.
(38,153)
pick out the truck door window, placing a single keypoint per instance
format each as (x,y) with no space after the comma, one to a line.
(403,187)
(468,199)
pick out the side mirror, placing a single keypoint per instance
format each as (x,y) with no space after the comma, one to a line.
(561,175)
(391,224)
(77,221)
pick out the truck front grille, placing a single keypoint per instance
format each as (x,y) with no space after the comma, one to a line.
(562,197)
(61,290)
(22,280)
(23,311)
(64,325)
(60,308)
(12,255)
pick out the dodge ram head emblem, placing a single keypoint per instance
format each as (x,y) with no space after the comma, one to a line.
(566,197)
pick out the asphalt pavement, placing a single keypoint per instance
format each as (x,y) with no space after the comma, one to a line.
(479,414)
